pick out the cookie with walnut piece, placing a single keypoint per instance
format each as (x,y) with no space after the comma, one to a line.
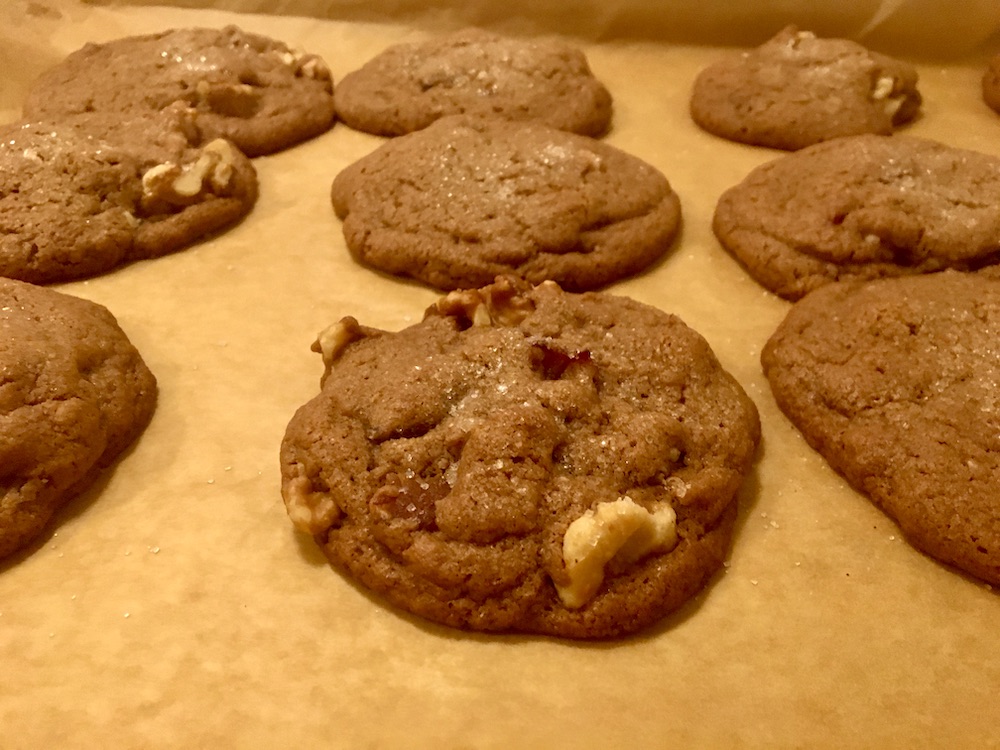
(524,459)
(896,382)
(863,207)
(798,89)
(74,394)
(408,86)
(255,91)
(91,192)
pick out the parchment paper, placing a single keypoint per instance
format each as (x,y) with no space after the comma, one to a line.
(173,606)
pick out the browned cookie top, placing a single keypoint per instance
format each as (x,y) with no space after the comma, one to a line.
(466,199)
(524,459)
(797,89)
(254,91)
(409,86)
(91,192)
(896,383)
(74,393)
(863,207)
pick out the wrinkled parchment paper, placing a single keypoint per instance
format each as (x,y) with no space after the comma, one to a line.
(173,605)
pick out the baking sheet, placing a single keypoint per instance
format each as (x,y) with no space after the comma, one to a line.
(173,605)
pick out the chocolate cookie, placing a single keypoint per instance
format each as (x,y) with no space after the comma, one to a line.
(74,394)
(466,199)
(863,207)
(895,383)
(991,83)
(409,86)
(89,193)
(249,89)
(524,459)
(797,89)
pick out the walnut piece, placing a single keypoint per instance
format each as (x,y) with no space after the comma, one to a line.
(621,530)
(310,512)
(334,339)
(175,183)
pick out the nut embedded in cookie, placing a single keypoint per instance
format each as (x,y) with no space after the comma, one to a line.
(524,459)
(257,92)
(862,207)
(89,193)
(798,89)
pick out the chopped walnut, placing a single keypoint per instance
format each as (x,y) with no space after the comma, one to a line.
(173,183)
(504,302)
(621,530)
(334,339)
(311,512)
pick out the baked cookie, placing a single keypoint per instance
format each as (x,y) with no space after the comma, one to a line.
(467,199)
(249,89)
(524,459)
(89,193)
(991,83)
(863,207)
(74,394)
(895,383)
(409,86)
(797,89)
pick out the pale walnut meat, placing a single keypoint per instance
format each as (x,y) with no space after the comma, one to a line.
(88,193)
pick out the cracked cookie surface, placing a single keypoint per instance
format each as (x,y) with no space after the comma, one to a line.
(524,459)
(896,382)
(252,90)
(467,199)
(862,207)
(74,394)
(91,192)
(409,86)
(797,89)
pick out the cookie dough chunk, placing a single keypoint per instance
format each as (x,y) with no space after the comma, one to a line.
(84,195)
(991,83)
(467,199)
(797,89)
(863,207)
(409,86)
(74,394)
(254,91)
(524,459)
(895,383)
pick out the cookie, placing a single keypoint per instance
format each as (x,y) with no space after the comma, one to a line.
(894,382)
(991,83)
(524,459)
(797,89)
(74,394)
(92,192)
(408,86)
(862,207)
(249,89)
(467,199)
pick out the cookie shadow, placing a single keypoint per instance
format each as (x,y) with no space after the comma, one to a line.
(308,550)
(74,507)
